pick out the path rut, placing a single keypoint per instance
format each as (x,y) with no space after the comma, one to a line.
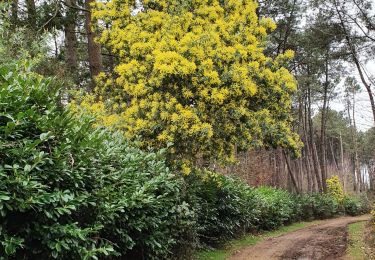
(324,241)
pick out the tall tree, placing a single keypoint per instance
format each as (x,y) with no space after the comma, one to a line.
(31,13)
(70,35)
(94,49)
(14,12)
(342,13)
(194,73)
(351,88)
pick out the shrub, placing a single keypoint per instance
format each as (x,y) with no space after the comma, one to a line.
(324,206)
(276,207)
(304,207)
(334,188)
(352,205)
(68,191)
(355,206)
(226,207)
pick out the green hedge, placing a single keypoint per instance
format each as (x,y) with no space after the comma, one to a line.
(72,191)
(69,191)
(227,208)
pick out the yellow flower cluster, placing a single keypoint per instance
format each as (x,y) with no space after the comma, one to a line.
(334,188)
(193,72)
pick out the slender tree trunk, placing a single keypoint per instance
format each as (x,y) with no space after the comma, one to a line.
(333,155)
(355,146)
(364,82)
(342,162)
(291,175)
(341,153)
(308,164)
(313,145)
(31,13)
(353,157)
(14,13)
(323,153)
(70,37)
(371,166)
(317,165)
(94,51)
(301,174)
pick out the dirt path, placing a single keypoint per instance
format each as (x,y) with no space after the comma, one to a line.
(324,241)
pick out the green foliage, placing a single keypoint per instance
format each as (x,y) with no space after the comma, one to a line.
(68,191)
(324,206)
(227,208)
(355,206)
(276,207)
(352,205)
(366,147)
(20,42)
(304,207)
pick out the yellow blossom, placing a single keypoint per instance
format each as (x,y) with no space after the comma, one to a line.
(194,74)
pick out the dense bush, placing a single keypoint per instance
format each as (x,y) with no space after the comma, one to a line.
(352,206)
(316,206)
(226,207)
(324,206)
(276,207)
(334,188)
(356,205)
(304,207)
(68,191)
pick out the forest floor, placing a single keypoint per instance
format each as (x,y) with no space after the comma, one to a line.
(327,240)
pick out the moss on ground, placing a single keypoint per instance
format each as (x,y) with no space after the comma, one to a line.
(356,242)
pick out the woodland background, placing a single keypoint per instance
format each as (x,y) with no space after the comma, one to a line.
(334,45)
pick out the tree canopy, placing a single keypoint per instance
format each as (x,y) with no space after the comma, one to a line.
(194,73)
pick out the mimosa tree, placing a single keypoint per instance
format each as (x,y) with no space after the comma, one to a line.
(193,74)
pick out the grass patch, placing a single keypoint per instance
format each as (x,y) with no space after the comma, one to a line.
(249,240)
(357,245)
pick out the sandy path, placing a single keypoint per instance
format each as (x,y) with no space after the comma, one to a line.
(324,241)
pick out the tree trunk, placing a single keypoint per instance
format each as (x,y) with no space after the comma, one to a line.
(31,13)
(333,155)
(355,147)
(94,51)
(353,156)
(14,13)
(364,82)
(70,37)
(294,181)
(312,144)
(342,162)
(310,180)
(323,156)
